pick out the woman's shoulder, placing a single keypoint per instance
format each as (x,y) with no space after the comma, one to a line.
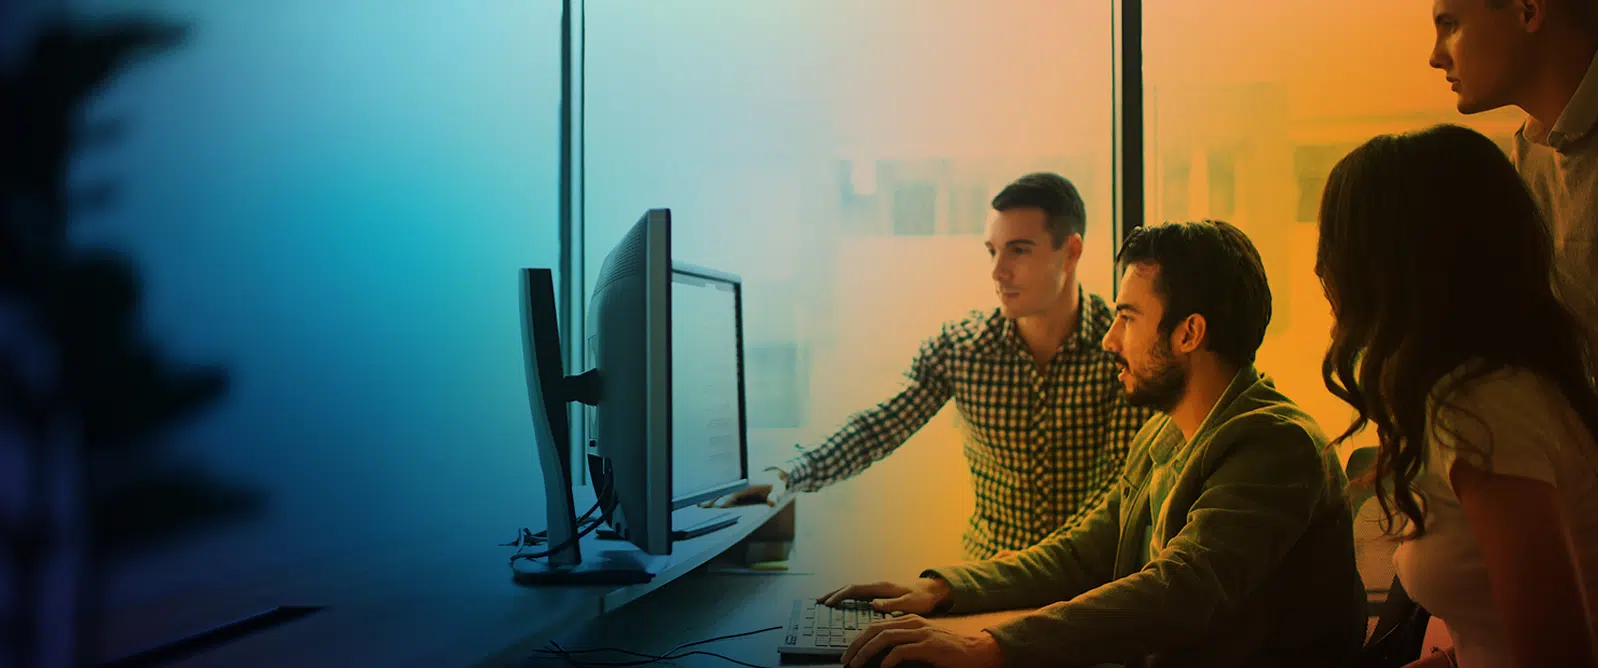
(1506,419)
(1477,384)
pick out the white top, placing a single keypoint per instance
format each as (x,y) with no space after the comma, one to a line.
(1534,433)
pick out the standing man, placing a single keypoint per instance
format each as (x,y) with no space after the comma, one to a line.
(1540,56)
(1048,425)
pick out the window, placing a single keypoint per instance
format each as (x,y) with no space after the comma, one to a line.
(968,208)
(1223,184)
(332,203)
(778,386)
(1284,106)
(1312,165)
(915,209)
(841,161)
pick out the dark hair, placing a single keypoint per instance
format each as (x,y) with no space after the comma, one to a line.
(1434,257)
(1580,14)
(1210,268)
(1052,193)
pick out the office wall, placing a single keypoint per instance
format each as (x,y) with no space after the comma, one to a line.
(841,156)
(332,199)
(1247,128)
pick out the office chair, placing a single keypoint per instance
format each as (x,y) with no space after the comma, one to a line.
(1400,632)
(1401,623)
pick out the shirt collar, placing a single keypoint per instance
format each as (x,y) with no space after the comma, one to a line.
(1004,331)
(1244,379)
(1163,451)
(1578,118)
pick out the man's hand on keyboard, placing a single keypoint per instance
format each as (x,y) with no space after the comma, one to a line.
(920,597)
(912,638)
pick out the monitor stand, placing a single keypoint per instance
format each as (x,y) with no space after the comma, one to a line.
(550,394)
(610,568)
(687,523)
(696,522)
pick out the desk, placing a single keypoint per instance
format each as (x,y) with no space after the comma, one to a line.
(703,605)
(433,604)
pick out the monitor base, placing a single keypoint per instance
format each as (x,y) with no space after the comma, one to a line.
(537,574)
(710,525)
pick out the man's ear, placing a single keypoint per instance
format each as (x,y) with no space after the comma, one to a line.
(1533,14)
(1189,334)
(1073,247)
(1073,255)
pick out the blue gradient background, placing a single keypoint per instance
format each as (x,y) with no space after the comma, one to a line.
(332,199)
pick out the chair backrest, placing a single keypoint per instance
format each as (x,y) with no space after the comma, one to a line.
(1400,632)
(1360,463)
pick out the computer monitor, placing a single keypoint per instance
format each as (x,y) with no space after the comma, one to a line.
(549,392)
(709,446)
(657,445)
(629,344)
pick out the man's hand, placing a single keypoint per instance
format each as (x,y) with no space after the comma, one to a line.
(911,638)
(758,492)
(748,496)
(1005,553)
(920,597)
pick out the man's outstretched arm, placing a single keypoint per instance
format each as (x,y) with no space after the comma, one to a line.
(871,434)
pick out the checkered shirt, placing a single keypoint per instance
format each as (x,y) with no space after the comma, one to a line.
(1043,445)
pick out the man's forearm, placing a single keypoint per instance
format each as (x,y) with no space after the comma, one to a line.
(1057,569)
(861,442)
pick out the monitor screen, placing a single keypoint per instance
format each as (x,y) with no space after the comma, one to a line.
(707,425)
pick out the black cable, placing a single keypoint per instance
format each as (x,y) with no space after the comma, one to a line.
(591,526)
(679,647)
(528,538)
(652,658)
(656,659)
(584,524)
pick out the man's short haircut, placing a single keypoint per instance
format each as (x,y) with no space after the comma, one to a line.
(1210,268)
(1055,195)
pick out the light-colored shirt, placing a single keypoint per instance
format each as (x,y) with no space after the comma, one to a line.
(1560,165)
(1524,427)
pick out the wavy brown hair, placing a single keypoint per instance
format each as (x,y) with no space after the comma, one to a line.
(1434,257)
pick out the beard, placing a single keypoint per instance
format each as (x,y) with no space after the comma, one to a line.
(1161,385)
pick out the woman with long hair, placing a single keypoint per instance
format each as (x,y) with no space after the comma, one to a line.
(1450,339)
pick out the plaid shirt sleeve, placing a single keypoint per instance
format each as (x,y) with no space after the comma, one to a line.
(871,434)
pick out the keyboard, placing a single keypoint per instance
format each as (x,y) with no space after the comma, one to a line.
(817,630)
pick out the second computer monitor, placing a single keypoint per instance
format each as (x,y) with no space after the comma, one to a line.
(709,451)
(667,425)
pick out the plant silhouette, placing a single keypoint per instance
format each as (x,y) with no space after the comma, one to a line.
(85,397)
